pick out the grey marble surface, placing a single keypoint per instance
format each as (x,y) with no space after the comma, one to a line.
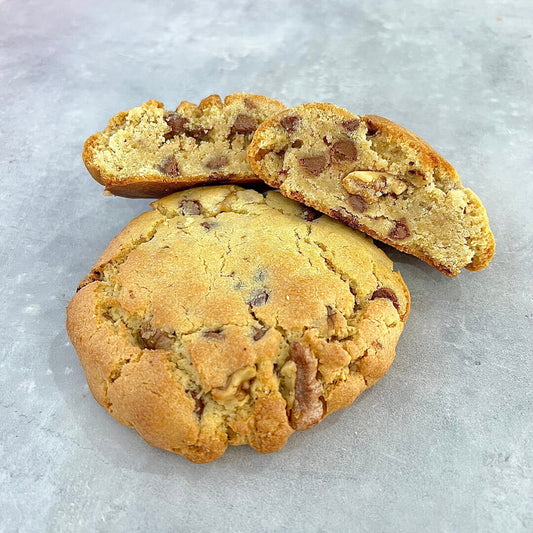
(444,441)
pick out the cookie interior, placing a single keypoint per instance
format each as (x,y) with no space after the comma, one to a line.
(149,151)
(378,177)
(225,316)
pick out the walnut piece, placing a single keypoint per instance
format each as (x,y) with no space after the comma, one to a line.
(370,185)
(238,381)
(308,408)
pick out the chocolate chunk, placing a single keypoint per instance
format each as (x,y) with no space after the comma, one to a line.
(314,165)
(176,123)
(217,335)
(309,214)
(297,143)
(170,167)
(249,103)
(289,124)
(308,406)
(199,403)
(259,298)
(155,338)
(343,151)
(281,153)
(244,124)
(351,125)
(384,292)
(217,162)
(371,129)
(217,176)
(191,207)
(357,203)
(259,333)
(209,225)
(198,133)
(400,230)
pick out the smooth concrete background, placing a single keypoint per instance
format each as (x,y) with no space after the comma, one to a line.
(444,441)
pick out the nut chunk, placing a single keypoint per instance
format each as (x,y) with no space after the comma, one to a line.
(308,409)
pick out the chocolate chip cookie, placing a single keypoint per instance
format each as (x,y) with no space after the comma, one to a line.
(150,152)
(378,177)
(224,316)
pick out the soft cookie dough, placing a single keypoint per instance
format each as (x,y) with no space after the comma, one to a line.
(150,152)
(378,177)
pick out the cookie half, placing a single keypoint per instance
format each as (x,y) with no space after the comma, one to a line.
(378,177)
(150,152)
(227,317)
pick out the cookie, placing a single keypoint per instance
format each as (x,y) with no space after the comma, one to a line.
(227,317)
(378,177)
(150,152)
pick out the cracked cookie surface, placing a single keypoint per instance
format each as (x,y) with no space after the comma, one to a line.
(227,317)
(376,176)
(151,152)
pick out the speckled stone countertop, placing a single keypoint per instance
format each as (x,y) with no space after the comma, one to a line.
(444,441)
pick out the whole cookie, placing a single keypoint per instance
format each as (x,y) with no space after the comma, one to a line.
(378,177)
(225,316)
(150,152)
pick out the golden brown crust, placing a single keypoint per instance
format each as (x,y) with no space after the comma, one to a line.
(135,172)
(447,227)
(186,324)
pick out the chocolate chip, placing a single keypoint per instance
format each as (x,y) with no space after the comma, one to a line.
(314,165)
(217,335)
(259,333)
(309,214)
(217,162)
(170,166)
(371,129)
(209,225)
(191,207)
(357,203)
(351,125)
(281,153)
(384,292)
(297,143)
(259,298)
(155,338)
(199,403)
(400,230)
(325,139)
(343,151)
(176,123)
(289,124)
(244,124)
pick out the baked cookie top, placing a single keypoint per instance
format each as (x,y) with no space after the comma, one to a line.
(225,316)
(376,176)
(150,152)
